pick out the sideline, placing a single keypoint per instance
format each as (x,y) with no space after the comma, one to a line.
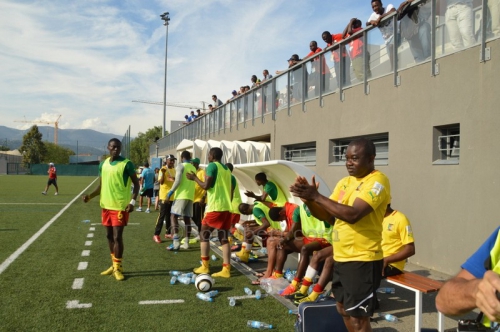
(26,245)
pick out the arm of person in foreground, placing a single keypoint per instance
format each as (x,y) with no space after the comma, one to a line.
(464,293)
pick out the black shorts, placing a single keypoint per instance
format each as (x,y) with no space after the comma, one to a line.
(354,285)
(147,193)
(391,271)
(52,181)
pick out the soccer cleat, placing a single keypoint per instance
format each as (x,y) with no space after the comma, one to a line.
(243,256)
(44,193)
(107,272)
(311,298)
(204,268)
(118,274)
(185,245)
(172,248)
(156,238)
(224,273)
(296,296)
(147,211)
(236,247)
(139,209)
(289,290)
(56,194)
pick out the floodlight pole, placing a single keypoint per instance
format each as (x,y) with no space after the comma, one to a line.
(166,19)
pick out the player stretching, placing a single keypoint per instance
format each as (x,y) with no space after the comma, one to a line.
(115,176)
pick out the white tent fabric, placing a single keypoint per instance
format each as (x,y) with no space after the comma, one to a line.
(227,151)
(200,151)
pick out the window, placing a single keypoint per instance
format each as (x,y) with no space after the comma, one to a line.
(446,141)
(338,147)
(304,153)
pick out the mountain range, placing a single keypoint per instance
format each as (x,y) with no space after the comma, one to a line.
(83,141)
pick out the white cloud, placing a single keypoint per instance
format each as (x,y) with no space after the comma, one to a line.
(87,60)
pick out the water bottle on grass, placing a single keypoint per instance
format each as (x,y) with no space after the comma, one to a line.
(259,325)
(388,317)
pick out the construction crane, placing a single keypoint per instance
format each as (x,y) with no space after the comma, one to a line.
(171,104)
(55,123)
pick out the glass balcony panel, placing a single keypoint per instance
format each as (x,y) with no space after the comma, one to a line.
(296,85)
(380,48)
(227,119)
(458,25)
(357,59)
(282,92)
(493,23)
(312,78)
(267,95)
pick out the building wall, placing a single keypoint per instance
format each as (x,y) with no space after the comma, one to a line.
(452,207)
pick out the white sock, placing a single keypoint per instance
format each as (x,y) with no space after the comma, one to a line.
(245,246)
(310,273)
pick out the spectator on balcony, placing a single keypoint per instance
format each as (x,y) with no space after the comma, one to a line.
(386,27)
(459,23)
(186,117)
(192,117)
(210,108)
(217,101)
(356,49)
(331,39)
(266,75)
(234,95)
(295,78)
(316,69)
(415,28)
(255,81)
(199,113)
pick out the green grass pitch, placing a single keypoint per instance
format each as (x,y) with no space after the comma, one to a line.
(37,284)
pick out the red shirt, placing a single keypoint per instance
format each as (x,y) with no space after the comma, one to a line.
(335,39)
(52,172)
(316,62)
(356,44)
(289,209)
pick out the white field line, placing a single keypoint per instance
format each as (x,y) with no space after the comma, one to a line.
(33,203)
(91,229)
(88,243)
(83,265)
(85,253)
(75,304)
(32,239)
(161,301)
(89,235)
(78,283)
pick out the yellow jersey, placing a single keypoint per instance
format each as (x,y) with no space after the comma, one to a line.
(396,233)
(361,241)
(167,184)
(199,192)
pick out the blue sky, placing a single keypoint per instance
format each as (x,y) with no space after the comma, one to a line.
(87,60)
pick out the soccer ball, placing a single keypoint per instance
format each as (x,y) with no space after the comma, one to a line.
(204,282)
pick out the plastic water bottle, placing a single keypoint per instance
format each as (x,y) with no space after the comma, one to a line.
(388,317)
(193,278)
(386,290)
(248,291)
(293,311)
(86,221)
(259,325)
(263,251)
(188,275)
(175,273)
(184,280)
(173,280)
(204,297)
(258,294)
(232,302)
(212,293)
(214,258)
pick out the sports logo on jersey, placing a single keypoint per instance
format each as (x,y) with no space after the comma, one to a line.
(389,227)
(409,231)
(377,188)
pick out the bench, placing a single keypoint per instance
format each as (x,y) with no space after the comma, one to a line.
(420,285)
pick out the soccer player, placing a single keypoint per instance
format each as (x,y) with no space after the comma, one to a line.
(183,203)
(270,191)
(147,181)
(235,197)
(218,216)
(52,179)
(166,179)
(356,208)
(115,177)
(200,195)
